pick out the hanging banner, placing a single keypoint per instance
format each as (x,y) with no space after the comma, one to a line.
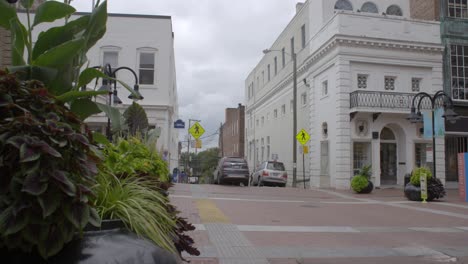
(439,123)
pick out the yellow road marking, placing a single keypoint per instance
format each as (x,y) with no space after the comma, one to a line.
(210,213)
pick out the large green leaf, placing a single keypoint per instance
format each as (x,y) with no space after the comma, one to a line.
(84,108)
(27,3)
(97,25)
(73,95)
(28,154)
(45,74)
(88,75)
(58,35)
(114,114)
(18,41)
(100,138)
(50,11)
(7,12)
(60,55)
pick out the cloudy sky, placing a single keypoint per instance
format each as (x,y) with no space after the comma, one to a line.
(217,43)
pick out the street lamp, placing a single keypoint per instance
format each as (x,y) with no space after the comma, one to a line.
(449,115)
(112,93)
(294,58)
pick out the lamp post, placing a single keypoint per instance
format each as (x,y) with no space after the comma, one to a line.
(449,115)
(294,59)
(113,99)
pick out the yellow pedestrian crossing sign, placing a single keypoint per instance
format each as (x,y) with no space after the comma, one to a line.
(303,137)
(196,130)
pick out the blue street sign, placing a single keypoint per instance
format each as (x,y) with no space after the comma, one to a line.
(179,124)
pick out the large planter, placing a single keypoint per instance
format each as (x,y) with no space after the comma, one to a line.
(413,193)
(113,243)
(368,188)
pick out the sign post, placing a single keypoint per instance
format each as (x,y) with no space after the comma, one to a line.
(423,180)
(303,137)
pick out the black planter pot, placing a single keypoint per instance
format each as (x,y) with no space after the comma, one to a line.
(113,243)
(413,193)
(368,188)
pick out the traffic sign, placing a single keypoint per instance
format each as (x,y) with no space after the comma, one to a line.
(303,137)
(196,130)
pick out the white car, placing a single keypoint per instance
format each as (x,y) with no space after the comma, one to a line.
(270,173)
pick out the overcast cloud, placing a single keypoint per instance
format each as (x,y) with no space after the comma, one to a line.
(217,43)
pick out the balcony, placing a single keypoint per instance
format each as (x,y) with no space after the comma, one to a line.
(390,102)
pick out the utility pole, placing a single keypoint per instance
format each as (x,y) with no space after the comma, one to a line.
(221,139)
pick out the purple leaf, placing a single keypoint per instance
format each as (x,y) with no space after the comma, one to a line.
(77,214)
(16,141)
(64,183)
(28,154)
(52,244)
(32,184)
(49,203)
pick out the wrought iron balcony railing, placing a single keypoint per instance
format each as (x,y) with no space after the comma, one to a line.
(384,100)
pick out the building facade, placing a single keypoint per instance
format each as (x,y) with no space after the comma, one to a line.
(145,44)
(453,16)
(231,140)
(359,64)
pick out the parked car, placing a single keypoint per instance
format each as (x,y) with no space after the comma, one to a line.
(270,173)
(232,170)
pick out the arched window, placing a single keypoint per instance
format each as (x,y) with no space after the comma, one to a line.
(387,134)
(343,5)
(369,7)
(394,10)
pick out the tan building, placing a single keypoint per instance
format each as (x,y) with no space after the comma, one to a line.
(425,9)
(231,139)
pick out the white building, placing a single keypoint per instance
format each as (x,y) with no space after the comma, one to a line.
(145,44)
(359,65)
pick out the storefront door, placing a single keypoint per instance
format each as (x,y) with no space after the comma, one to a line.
(388,163)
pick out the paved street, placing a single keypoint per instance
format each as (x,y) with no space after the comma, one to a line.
(284,225)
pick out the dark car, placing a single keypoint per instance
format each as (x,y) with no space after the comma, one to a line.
(232,170)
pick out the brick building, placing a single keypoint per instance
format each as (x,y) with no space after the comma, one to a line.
(231,139)
(425,9)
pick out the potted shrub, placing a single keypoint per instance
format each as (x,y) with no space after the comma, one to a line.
(435,188)
(361,182)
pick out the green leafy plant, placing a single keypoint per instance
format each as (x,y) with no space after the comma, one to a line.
(358,183)
(366,171)
(136,119)
(132,186)
(129,157)
(57,55)
(47,169)
(416,175)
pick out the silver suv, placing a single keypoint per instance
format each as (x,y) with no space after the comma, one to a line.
(270,172)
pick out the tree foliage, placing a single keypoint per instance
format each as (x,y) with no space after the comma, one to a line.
(136,119)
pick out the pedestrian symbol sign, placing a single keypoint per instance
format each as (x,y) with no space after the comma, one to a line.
(196,130)
(303,137)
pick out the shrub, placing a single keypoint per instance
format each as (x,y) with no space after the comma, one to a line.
(366,171)
(359,182)
(47,169)
(416,175)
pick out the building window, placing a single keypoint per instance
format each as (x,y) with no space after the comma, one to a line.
(362,81)
(303,36)
(325,88)
(324,158)
(269,75)
(292,47)
(415,84)
(263,120)
(283,57)
(275,113)
(268,148)
(343,5)
(304,99)
(263,150)
(394,10)
(263,77)
(268,117)
(111,58)
(146,67)
(291,103)
(276,66)
(361,156)
(369,7)
(258,122)
(283,109)
(458,8)
(459,66)
(390,83)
